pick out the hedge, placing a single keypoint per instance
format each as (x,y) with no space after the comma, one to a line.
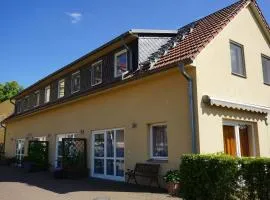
(222,177)
(256,176)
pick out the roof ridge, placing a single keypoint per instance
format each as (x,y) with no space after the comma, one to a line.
(181,34)
(184,31)
(193,37)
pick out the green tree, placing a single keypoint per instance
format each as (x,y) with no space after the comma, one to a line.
(9,89)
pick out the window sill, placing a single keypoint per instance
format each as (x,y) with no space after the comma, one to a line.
(93,85)
(76,91)
(152,160)
(239,75)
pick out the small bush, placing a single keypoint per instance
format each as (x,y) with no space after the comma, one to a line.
(172,176)
(38,154)
(208,177)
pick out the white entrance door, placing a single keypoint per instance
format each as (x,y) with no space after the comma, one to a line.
(20,149)
(108,148)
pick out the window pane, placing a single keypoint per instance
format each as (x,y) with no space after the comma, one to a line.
(36,99)
(99,145)
(120,144)
(121,64)
(47,94)
(110,144)
(266,70)
(96,76)
(110,167)
(237,60)
(18,107)
(99,166)
(75,82)
(61,88)
(119,168)
(26,103)
(160,144)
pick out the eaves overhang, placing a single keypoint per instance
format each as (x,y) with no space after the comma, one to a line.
(137,75)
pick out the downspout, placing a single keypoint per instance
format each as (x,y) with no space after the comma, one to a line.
(191,106)
(10,100)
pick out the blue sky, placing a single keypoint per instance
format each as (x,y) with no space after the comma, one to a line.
(39,37)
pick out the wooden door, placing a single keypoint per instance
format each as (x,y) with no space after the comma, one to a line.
(244,141)
(229,140)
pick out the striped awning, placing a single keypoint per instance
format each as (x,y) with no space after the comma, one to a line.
(211,101)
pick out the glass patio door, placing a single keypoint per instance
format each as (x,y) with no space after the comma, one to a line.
(19,150)
(108,154)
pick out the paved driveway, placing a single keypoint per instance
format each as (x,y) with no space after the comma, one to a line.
(18,185)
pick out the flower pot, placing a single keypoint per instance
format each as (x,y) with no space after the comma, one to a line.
(173,188)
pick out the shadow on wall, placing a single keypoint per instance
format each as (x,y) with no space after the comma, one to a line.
(46,181)
(229,113)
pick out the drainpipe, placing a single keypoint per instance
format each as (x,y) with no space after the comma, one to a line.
(10,100)
(5,131)
(191,106)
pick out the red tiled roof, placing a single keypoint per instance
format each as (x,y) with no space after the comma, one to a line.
(203,32)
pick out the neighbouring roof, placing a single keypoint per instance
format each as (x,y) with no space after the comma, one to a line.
(194,37)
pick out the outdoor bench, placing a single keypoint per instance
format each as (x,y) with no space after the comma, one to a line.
(146,170)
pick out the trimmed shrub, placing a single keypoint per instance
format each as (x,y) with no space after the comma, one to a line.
(255,173)
(209,177)
(222,177)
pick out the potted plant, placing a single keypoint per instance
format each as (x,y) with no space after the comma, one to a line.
(172,179)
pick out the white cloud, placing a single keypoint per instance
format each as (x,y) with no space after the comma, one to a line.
(75,17)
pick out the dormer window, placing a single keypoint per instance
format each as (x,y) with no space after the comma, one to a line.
(75,82)
(120,63)
(36,98)
(47,94)
(96,73)
(61,88)
(26,103)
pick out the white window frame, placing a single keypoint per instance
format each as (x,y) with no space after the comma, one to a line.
(58,93)
(61,136)
(266,58)
(244,75)
(92,75)
(236,125)
(48,88)
(37,101)
(18,154)
(105,132)
(115,62)
(151,142)
(72,76)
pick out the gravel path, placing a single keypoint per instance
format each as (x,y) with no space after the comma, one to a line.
(18,185)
